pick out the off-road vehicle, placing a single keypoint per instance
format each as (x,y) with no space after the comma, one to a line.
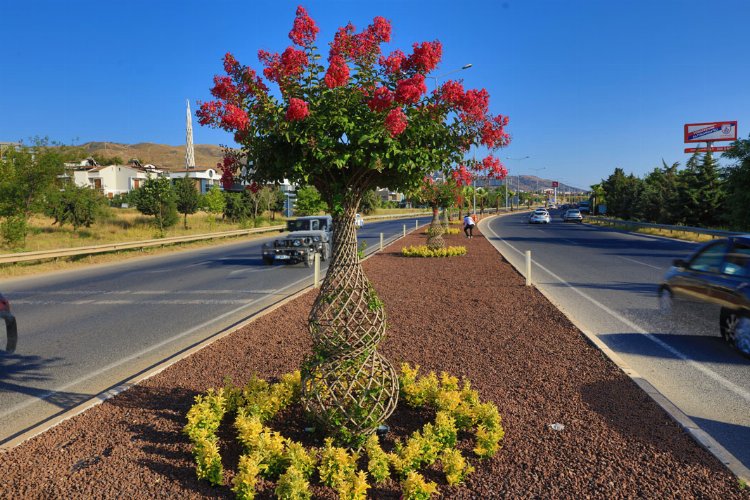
(306,237)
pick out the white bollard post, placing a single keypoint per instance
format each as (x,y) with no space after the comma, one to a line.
(416,225)
(316,271)
(381,242)
(404,230)
(528,267)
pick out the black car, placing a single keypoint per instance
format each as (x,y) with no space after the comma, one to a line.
(10,325)
(711,290)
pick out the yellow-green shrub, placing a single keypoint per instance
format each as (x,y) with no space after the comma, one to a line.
(423,251)
(377,460)
(335,464)
(247,477)
(353,486)
(414,487)
(293,485)
(455,466)
(450,230)
(203,419)
(297,456)
(208,459)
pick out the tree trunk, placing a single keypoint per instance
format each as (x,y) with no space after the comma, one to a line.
(435,231)
(346,384)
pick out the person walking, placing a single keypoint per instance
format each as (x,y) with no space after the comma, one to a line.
(469,226)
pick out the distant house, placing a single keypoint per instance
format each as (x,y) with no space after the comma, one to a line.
(388,195)
(204,178)
(112,179)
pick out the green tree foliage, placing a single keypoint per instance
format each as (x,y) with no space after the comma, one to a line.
(235,206)
(277,203)
(75,205)
(186,197)
(622,193)
(371,201)
(738,185)
(213,202)
(157,197)
(701,192)
(309,201)
(27,174)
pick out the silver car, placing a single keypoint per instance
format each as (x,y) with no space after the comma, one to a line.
(539,216)
(572,215)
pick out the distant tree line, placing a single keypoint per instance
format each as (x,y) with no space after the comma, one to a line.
(702,194)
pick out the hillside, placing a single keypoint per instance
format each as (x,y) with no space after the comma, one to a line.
(161,155)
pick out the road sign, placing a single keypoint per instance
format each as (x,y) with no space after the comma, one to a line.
(711,131)
(555,184)
(714,149)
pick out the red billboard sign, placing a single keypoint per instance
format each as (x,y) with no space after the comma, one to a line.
(555,184)
(711,131)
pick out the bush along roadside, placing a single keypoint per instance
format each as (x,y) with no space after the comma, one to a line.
(424,251)
(270,456)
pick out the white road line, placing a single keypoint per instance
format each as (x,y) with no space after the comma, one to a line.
(727,384)
(143,352)
(133,292)
(143,302)
(641,263)
(198,264)
(569,241)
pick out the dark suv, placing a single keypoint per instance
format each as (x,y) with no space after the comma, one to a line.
(713,286)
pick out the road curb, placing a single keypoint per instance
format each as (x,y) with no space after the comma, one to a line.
(684,421)
(158,368)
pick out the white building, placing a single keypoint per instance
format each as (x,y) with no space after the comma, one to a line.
(113,179)
(204,178)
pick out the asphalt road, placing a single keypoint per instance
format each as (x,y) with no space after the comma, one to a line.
(606,281)
(82,332)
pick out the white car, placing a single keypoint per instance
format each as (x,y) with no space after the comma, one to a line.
(358,221)
(539,216)
(572,215)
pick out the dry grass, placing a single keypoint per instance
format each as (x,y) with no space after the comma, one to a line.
(680,235)
(123,225)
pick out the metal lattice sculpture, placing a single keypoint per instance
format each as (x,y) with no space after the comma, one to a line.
(348,386)
(435,233)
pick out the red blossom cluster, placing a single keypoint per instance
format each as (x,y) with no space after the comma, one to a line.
(461,175)
(451,93)
(234,118)
(475,104)
(224,88)
(425,57)
(364,46)
(230,63)
(493,168)
(493,133)
(392,64)
(337,74)
(285,67)
(382,100)
(410,90)
(395,122)
(297,110)
(304,30)
(227,167)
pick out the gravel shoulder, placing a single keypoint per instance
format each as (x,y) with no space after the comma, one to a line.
(471,316)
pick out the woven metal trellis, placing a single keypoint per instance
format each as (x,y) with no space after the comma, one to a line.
(435,234)
(350,388)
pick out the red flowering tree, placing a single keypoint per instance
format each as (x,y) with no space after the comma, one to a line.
(436,193)
(363,120)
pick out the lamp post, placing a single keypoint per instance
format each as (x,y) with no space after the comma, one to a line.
(537,177)
(465,66)
(518,182)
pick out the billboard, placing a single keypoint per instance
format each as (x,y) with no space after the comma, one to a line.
(711,131)
(555,184)
(714,149)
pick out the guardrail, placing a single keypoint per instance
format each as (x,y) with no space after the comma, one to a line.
(12,258)
(684,229)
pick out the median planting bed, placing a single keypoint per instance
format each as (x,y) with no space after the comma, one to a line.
(575,426)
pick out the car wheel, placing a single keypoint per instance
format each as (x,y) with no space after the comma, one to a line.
(310,258)
(268,261)
(735,329)
(666,302)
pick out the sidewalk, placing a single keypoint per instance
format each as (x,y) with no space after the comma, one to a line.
(471,316)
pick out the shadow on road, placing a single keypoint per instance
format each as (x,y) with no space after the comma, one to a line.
(699,348)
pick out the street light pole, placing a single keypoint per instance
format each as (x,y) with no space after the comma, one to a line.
(518,183)
(465,66)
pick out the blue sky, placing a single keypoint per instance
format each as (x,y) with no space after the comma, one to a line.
(588,85)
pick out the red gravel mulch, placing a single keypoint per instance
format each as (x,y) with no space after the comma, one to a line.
(471,316)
